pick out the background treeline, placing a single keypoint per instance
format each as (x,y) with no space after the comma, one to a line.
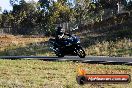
(43,16)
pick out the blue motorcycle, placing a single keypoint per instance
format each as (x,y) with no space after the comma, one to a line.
(69,46)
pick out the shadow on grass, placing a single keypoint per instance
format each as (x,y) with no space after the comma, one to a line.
(114,33)
(32,49)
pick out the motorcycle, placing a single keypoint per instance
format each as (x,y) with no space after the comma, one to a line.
(70,46)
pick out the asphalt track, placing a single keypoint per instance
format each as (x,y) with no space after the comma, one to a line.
(87,59)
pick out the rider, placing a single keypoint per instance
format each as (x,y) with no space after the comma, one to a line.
(60,33)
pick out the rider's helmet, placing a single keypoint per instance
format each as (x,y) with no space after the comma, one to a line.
(60,30)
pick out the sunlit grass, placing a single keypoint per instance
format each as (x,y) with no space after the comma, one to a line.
(44,74)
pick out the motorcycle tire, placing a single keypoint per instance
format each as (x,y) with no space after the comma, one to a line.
(60,55)
(80,52)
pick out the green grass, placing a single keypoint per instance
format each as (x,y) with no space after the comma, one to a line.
(45,74)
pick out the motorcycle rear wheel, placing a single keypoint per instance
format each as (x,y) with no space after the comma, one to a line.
(59,54)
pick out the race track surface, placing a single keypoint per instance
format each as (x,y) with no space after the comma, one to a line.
(87,59)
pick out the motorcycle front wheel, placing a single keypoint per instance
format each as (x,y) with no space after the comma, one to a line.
(80,52)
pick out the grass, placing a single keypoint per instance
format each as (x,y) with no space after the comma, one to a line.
(114,41)
(30,49)
(121,48)
(21,46)
(108,42)
(45,74)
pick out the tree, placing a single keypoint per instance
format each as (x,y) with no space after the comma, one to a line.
(129,6)
(14,2)
(52,13)
(0,9)
(86,11)
(44,4)
(24,17)
(0,17)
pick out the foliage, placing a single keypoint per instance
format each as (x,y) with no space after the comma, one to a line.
(0,9)
(43,16)
(129,6)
